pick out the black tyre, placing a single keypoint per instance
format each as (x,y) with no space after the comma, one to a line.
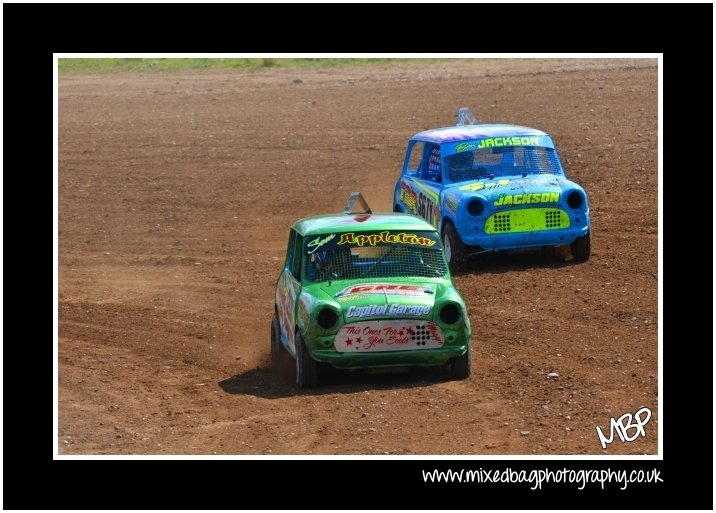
(397,208)
(582,248)
(306,367)
(461,367)
(455,250)
(276,346)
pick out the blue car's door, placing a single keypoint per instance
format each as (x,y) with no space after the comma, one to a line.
(418,190)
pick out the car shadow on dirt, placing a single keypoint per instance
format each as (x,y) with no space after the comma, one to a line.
(271,384)
(517,260)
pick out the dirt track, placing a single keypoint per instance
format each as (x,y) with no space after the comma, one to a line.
(175,196)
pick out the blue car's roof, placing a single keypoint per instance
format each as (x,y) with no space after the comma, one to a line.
(468,132)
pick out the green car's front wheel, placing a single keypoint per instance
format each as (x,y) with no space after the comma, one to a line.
(455,250)
(276,347)
(306,367)
(461,366)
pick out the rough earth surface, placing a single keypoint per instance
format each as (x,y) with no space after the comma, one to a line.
(176,192)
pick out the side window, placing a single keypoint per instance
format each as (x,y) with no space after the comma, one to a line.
(431,169)
(297,257)
(415,158)
(291,249)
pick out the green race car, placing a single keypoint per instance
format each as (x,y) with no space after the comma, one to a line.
(368,290)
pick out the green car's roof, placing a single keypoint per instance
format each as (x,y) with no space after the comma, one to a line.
(332,223)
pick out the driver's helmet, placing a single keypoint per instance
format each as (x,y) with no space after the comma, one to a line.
(332,261)
(318,259)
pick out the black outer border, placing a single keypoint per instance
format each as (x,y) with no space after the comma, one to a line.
(33,480)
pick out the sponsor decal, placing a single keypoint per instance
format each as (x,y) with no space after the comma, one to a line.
(318,242)
(408,196)
(384,238)
(379,310)
(355,297)
(286,293)
(526,199)
(508,141)
(427,205)
(497,142)
(388,335)
(465,146)
(391,289)
(484,185)
(451,203)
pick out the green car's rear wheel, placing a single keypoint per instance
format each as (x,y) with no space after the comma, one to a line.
(306,367)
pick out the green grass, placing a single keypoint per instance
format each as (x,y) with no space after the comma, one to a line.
(117,65)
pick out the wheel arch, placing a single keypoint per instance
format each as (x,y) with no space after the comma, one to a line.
(445,220)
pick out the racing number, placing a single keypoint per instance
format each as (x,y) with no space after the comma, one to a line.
(418,203)
(426,209)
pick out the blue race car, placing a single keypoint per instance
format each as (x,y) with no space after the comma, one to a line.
(492,187)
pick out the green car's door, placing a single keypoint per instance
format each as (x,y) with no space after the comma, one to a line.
(287,290)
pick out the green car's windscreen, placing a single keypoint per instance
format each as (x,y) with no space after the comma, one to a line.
(384,254)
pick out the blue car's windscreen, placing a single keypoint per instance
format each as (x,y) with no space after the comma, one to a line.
(488,163)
